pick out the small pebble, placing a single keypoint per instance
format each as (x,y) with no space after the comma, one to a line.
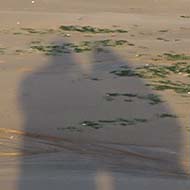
(33,2)
(18,22)
(68,35)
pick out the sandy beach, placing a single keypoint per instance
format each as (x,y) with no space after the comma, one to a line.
(94,94)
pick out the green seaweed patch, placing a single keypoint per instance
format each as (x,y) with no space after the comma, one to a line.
(179,67)
(108,121)
(162,39)
(34,31)
(130,44)
(167,115)
(70,128)
(95,79)
(178,87)
(50,49)
(81,49)
(91,124)
(124,122)
(152,71)
(158,72)
(20,51)
(108,42)
(113,94)
(185,16)
(83,46)
(162,71)
(90,29)
(2,51)
(176,57)
(163,31)
(17,33)
(125,71)
(152,98)
(119,121)
(121,94)
(36,42)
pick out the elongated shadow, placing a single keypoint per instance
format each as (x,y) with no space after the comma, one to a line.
(113,121)
(155,129)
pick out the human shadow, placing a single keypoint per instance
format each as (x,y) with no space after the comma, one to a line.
(97,116)
(158,132)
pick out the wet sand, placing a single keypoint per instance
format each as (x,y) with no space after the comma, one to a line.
(70,110)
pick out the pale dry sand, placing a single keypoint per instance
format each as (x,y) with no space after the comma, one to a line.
(43,95)
(84,6)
